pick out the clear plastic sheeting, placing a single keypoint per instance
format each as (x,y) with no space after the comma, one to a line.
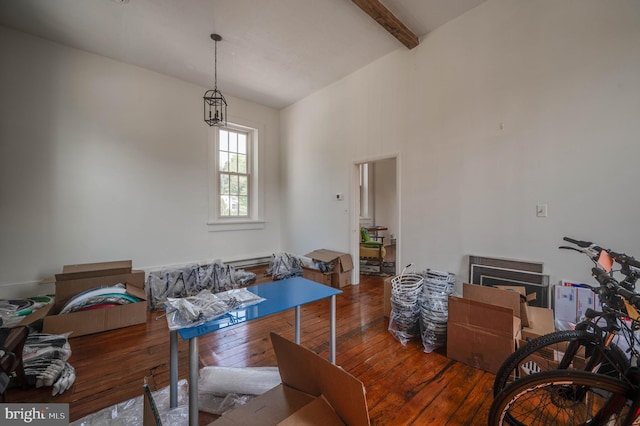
(221,404)
(405,308)
(130,412)
(222,381)
(434,308)
(284,265)
(195,310)
(189,280)
(221,389)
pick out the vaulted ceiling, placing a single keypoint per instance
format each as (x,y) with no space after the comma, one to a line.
(273,52)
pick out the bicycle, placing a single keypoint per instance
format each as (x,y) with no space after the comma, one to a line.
(590,346)
(565,396)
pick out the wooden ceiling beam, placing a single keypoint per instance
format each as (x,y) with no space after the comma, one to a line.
(388,21)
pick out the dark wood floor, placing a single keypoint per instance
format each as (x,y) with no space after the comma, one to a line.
(404,384)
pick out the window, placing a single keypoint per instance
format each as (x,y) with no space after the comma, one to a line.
(365,192)
(233,173)
(235,201)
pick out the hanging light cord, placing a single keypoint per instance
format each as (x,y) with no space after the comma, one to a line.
(215,66)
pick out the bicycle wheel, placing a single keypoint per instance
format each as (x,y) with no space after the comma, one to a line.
(566,350)
(562,397)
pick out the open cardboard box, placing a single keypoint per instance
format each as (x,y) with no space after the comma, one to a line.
(483,327)
(317,276)
(78,278)
(343,264)
(313,392)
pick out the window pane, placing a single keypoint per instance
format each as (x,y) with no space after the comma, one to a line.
(233,163)
(242,143)
(242,163)
(242,185)
(224,161)
(224,140)
(224,184)
(233,142)
(233,211)
(244,210)
(233,186)
(224,205)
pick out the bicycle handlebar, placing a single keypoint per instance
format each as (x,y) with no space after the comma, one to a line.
(620,258)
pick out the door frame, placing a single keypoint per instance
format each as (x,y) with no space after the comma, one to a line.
(354,221)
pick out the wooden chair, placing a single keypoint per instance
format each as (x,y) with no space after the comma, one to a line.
(12,342)
(370,248)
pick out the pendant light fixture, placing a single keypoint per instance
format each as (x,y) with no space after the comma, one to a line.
(215,105)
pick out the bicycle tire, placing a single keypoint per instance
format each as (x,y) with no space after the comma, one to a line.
(562,397)
(542,354)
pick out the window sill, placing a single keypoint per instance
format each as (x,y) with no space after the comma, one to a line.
(232,225)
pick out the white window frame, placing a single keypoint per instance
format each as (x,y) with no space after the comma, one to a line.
(255,219)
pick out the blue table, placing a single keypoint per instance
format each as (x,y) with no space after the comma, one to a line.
(280,296)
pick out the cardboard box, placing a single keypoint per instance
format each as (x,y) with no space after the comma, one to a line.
(341,279)
(505,296)
(317,276)
(542,323)
(78,278)
(483,327)
(387,297)
(525,299)
(313,392)
(101,269)
(570,303)
(342,265)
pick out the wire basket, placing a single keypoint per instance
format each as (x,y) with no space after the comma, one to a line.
(406,290)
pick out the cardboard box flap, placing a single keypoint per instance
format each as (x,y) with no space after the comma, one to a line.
(88,270)
(472,314)
(342,259)
(270,408)
(319,408)
(520,289)
(542,323)
(346,263)
(304,370)
(493,296)
(136,291)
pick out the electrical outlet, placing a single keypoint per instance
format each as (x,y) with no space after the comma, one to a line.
(541,210)
(339,196)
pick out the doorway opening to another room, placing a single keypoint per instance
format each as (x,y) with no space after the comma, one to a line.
(375,220)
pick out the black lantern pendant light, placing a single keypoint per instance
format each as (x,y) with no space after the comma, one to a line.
(215,105)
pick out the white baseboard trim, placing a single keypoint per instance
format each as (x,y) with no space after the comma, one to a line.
(26,289)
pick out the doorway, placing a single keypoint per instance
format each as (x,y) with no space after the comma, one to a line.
(376,206)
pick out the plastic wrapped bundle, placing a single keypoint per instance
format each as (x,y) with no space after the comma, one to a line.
(404,322)
(284,265)
(192,279)
(434,308)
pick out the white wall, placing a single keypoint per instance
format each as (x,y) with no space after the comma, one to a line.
(513,104)
(101,161)
(386,199)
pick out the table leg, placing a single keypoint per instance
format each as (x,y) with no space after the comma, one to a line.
(173,369)
(332,326)
(298,324)
(193,381)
